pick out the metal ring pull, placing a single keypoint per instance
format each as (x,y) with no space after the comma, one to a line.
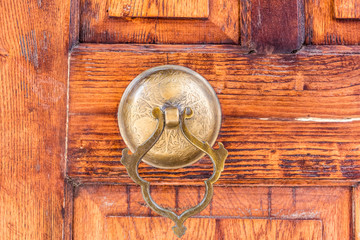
(185,122)
(131,162)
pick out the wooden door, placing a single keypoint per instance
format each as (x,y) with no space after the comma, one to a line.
(287,76)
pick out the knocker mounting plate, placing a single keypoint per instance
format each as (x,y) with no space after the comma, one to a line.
(169,86)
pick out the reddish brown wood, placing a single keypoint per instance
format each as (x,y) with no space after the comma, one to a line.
(347,9)
(160,8)
(222,25)
(241,213)
(74,24)
(156,228)
(323,28)
(356,211)
(272,26)
(33,76)
(254,229)
(326,203)
(68,210)
(284,117)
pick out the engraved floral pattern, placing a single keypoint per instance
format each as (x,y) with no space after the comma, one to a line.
(170,88)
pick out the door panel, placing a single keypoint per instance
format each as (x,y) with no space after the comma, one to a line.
(347,9)
(284,116)
(141,21)
(118,212)
(287,118)
(327,23)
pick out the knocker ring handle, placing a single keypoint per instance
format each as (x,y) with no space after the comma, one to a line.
(185,123)
(132,161)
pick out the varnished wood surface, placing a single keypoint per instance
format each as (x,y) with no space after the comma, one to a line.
(356,211)
(235,213)
(161,9)
(323,28)
(33,75)
(252,229)
(221,26)
(347,9)
(284,116)
(272,26)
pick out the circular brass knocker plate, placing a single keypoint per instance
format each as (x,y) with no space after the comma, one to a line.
(169,86)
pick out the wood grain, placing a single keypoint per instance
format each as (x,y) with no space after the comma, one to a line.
(347,9)
(272,26)
(69,190)
(161,9)
(254,229)
(33,76)
(327,204)
(157,228)
(283,213)
(323,28)
(356,211)
(221,26)
(284,116)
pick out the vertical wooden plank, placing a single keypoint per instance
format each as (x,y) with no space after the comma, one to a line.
(74,27)
(34,38)
(276,26)
(69,210)
(347,9)
(356,211)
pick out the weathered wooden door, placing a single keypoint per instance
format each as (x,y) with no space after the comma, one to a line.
(287,76)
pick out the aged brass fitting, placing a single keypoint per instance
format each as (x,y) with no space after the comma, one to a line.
(163,114)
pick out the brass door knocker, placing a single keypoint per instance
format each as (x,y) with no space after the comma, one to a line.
(155,116)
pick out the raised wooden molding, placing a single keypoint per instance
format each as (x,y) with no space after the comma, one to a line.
(272,26)
(159,8)
(324,26)
(347,9)
(214,21)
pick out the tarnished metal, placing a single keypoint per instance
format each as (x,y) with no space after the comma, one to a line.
(162,115)
(132,161)
(169,87)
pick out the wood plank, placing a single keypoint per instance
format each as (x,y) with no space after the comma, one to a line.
(263,20)
(323,28)
(161,8)
(347,9)
(91,206)
(33,75)
(157,228)
(68,210)
(221,26)
(244,202)
(356,211)
(330,204)
(265,213)
(254,229)
(284,116)
(190,196)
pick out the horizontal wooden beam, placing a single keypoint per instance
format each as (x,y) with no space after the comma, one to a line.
(284,116)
